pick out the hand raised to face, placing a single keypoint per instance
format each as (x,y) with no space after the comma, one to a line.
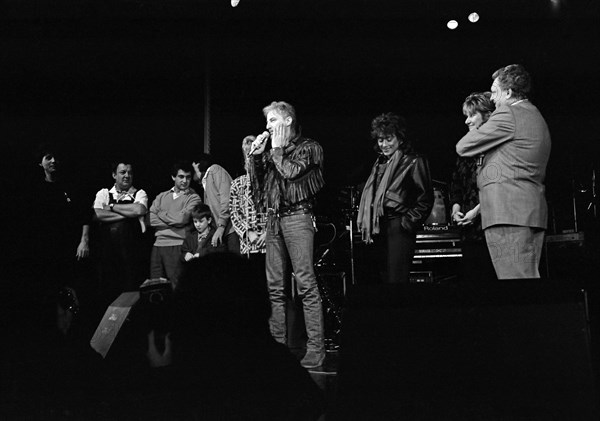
(281,133)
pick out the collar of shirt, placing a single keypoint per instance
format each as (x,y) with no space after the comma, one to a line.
(121,194)
(181,192)
(204,177)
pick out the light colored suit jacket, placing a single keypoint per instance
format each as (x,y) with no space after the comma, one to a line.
(217,186)
(515,142)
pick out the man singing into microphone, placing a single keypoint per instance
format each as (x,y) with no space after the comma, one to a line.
(285,180)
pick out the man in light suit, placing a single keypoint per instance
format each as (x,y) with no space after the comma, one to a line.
(513,148)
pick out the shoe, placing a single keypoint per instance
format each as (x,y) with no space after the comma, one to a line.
(313,359)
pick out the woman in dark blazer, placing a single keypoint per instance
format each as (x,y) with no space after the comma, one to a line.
(396,199)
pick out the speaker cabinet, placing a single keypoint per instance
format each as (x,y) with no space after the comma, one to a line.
(501,351)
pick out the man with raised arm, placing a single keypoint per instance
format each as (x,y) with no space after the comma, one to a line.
(285,180)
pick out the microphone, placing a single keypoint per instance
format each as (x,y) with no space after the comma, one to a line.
(262,138)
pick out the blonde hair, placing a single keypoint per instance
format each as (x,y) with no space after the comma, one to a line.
(284,109)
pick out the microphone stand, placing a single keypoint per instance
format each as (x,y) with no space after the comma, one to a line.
(594,202)
(351,228)
(574,198)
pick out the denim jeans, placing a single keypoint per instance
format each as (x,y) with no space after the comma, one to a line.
(290,239)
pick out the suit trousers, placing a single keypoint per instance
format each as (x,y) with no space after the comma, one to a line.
(165,262)
(290,239)
(515,250)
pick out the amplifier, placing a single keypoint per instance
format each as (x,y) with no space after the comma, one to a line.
(439,234)
(438,241)
(421,277)
(440,228)
(432,253)
(437,254)
(576,237)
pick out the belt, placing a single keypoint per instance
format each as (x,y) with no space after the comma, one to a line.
(292,212)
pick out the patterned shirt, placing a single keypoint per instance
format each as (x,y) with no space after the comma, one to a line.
(244,216)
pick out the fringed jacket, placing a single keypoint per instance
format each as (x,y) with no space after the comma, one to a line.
(285,177)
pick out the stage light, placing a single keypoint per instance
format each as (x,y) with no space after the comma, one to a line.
(234,3)
(452,24)
(473,17)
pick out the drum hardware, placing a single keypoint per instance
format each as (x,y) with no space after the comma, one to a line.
(332,309)
(574,199)
(580,211)
(594,201)
(578,188)
(348,198)
(332,313)
(350,213)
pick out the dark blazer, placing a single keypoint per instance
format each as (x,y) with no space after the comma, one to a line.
(192,245)
(515,142)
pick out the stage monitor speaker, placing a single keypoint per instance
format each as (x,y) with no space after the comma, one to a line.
(493,351)
(113,321)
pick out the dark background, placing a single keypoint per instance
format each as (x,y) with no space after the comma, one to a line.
(114,78)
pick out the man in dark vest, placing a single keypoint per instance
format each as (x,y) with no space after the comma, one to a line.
(120,211)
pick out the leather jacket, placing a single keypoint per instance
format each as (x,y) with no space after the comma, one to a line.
(409,195)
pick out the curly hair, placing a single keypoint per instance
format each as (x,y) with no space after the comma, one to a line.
(515,78)
(388,124)
(478,102)
(184,166)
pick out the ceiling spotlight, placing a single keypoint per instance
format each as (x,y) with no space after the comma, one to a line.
(234,3)
(473,17)
(452,24)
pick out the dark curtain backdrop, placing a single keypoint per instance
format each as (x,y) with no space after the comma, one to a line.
(127,78)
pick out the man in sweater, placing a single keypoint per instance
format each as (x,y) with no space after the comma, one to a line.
(170,215)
